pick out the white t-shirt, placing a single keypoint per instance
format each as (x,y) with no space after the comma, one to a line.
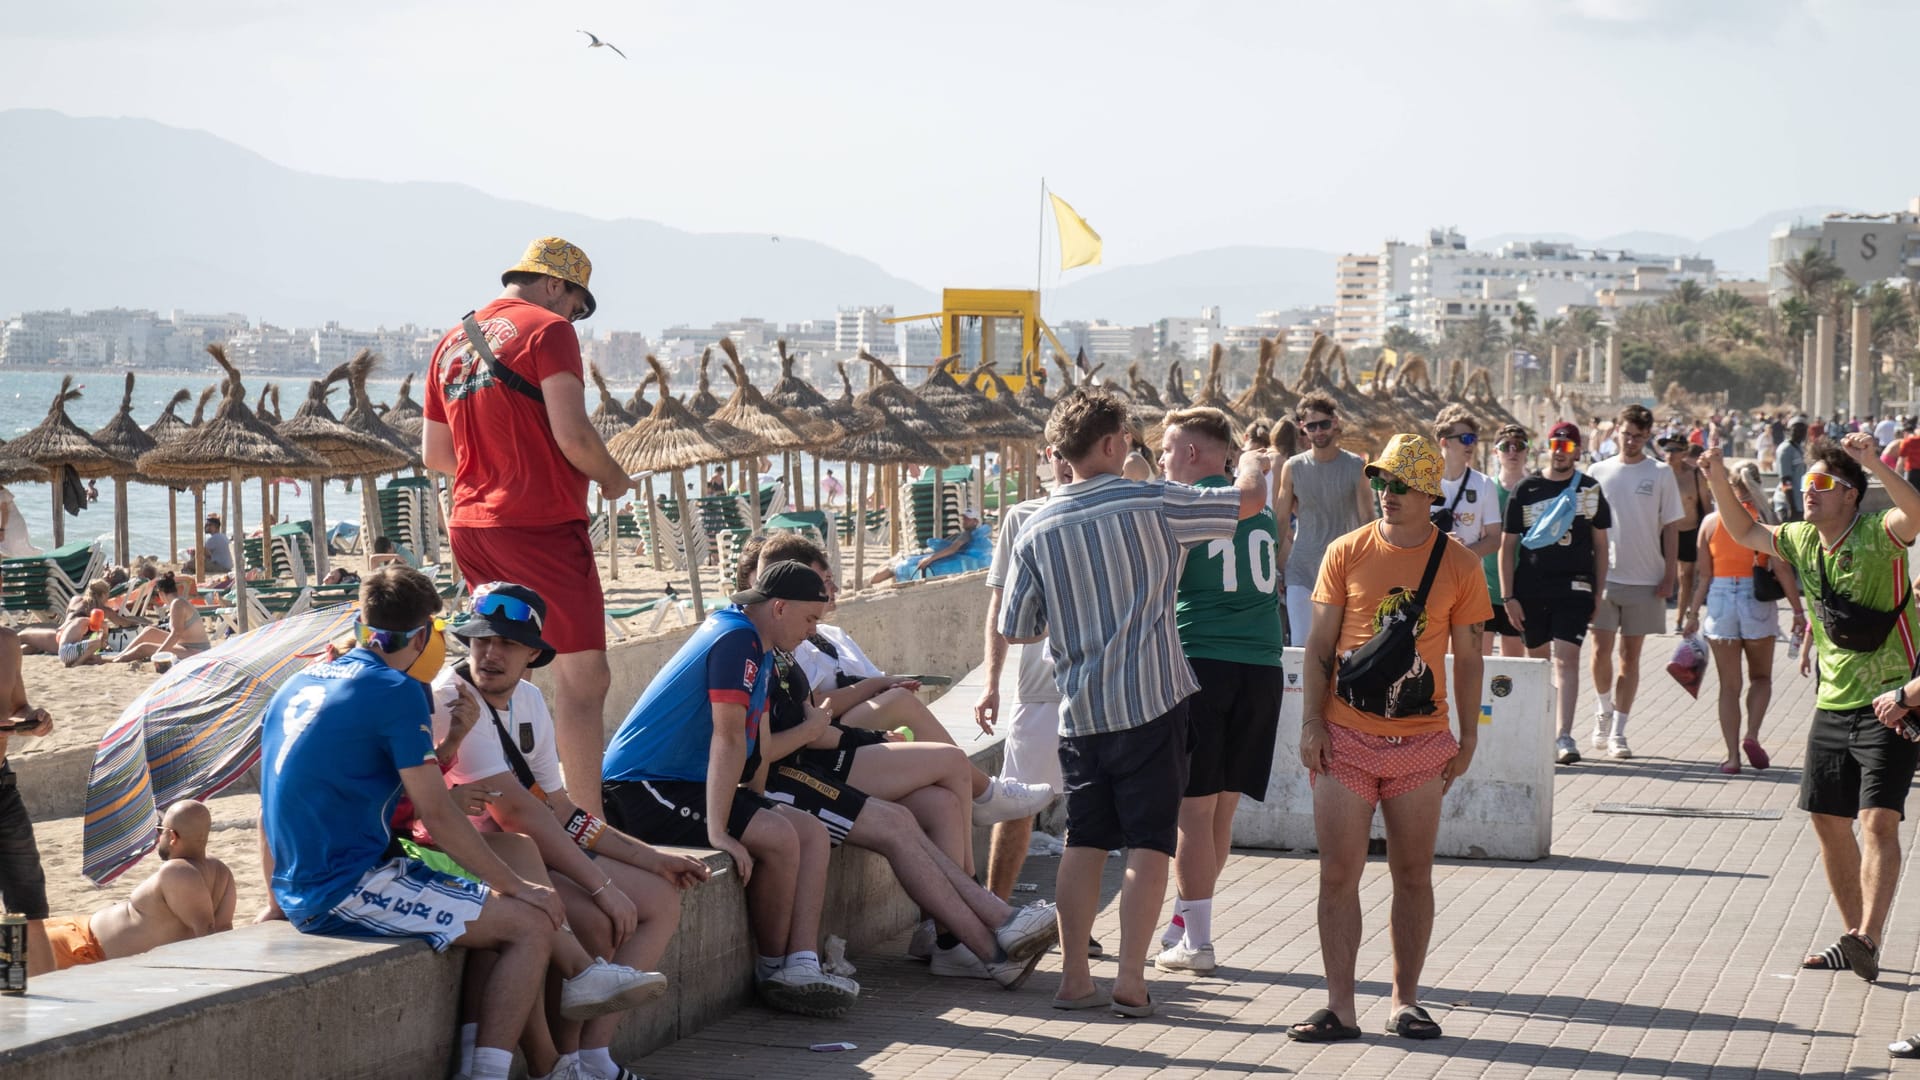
(1478,511)
(1884,432)
(1645,498)
(528,724)
(821,670)
(1035,683)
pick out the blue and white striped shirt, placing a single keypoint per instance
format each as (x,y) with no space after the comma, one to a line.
(1096,569)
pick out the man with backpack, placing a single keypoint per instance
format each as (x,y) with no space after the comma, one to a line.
(1553,562)
(1375,731)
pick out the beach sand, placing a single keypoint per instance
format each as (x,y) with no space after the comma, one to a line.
(86,701)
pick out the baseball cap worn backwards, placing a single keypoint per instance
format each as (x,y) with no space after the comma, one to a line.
(788,580)
(1566,430)
(1415,460)
(554,257)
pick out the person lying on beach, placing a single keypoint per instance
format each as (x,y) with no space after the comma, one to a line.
(383,553)
(955,543)
(184,634)
(78,640)
(190,896)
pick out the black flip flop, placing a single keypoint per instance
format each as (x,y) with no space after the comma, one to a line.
(1862,954)
(1322,1026)
(1413,1022)
(1831,959)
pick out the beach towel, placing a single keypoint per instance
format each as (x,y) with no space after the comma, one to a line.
(192,733)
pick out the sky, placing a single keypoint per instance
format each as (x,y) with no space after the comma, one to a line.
(917,135)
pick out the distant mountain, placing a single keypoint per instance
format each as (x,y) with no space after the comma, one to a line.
(128,212)
(1242,281)
(1736,253)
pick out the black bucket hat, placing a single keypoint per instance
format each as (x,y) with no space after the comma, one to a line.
(495,605)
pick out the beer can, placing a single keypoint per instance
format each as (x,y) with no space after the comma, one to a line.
(13,954)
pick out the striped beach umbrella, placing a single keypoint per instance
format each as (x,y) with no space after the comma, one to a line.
(192,733)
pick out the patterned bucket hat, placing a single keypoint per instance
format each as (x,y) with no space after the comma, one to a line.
(1414,459)
(554,257)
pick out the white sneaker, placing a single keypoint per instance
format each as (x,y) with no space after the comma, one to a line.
(1617,748)
(958,963)
(1007,800)
(1602,727)
(1029,931)
(1011,974)
(1565,750)
(570,1068)
(608,988)
(809,991)
(1181,957)
(920,946)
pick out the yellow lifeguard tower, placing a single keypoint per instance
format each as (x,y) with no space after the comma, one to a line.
(1001,325)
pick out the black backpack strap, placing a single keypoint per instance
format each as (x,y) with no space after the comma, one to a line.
(1465,479)
(1433,567)
(501,373)
(518,761)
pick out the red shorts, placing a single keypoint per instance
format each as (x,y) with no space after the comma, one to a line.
(555,561)
(1377,767)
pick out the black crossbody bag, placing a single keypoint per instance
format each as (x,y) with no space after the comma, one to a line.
(515,759)
(1851,624)
(1369,671)
(501,373)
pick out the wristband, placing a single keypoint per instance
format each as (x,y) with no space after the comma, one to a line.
(604,886)
(585,829)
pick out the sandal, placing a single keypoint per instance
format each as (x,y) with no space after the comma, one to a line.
(1322,1026)
(1862,955)
(1832,959)
(1413,1022)
(1755,753)
(1730,768)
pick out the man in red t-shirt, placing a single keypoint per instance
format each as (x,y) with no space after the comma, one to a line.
(521,450)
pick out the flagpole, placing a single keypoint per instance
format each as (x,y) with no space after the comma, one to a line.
(1040,248)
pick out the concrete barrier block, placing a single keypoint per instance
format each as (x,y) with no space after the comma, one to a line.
(1501,809)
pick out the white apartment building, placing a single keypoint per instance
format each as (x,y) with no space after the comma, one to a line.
(1179,334)
(1868,247)
(1359,301)
(1112,344)
(866,328)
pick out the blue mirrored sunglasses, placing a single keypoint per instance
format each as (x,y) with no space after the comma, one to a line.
(511,608)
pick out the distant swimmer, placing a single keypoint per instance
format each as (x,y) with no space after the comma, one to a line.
(190,896)
(594,42)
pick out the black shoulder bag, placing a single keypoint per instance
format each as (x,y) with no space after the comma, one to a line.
(501,373)
(1850,624)
(515,759)
(1443,517)
(1369,672)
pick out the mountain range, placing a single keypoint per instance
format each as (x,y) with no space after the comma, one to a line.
(128,212)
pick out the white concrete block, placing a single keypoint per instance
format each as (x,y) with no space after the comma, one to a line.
(1501,809)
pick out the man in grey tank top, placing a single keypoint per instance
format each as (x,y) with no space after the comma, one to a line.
(1324,491)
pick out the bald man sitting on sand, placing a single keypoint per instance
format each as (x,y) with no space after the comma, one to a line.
(190,896)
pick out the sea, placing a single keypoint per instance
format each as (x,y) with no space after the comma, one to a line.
(25,395)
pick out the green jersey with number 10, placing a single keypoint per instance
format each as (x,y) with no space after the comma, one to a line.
(1229,605)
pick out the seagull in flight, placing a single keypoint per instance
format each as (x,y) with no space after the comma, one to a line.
(594,42)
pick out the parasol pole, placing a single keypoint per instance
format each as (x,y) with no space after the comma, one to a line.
(686,538)
(369,519)
(199,533)
(173,525)
(819,501)
(320,541)
(750,477)
(266,526)
(59,523)
(235,485)
(652,531)
(122,538)
(859,511)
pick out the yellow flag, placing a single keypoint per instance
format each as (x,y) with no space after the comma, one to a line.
(1079,244)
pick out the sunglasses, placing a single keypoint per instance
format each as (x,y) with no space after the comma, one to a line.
(512,608)
(1512,447)
(1396,487)
(1818,481)
(1563,446)
(392,641)
(1465,438)
(1316,425)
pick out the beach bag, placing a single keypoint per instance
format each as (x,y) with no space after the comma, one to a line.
(1556,519)
(1443,517)
(1368,673)
(1851,625)
(1689,663)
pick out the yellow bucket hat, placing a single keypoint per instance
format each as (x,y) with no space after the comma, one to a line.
(1415,460)
(554,257)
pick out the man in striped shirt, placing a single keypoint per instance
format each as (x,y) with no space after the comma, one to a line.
(1094,571)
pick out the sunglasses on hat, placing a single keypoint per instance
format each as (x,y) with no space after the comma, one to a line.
(512,608)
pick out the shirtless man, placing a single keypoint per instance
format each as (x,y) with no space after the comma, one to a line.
(190,896)
(1696,502)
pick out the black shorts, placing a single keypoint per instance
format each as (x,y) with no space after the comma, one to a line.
(1689,545)
(674,811)
(1124,787)
(1556,618)
(836,764)
(1855,762)
(1500,625)
(1231,727)
(835,803)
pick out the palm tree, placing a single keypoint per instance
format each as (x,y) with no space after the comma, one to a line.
(1687,293)
(1812,272)
(1476,339)
(1400,339)
(1524,320)
(1723,302)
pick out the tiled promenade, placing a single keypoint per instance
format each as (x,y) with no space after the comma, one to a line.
(1646,946)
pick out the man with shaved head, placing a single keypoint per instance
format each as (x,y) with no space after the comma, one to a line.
(190,896)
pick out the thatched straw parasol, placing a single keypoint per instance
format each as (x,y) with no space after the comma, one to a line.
(404,407)
(1268,396)
(890,442)
(1213,393)
(1493,412)
(126,441)
(15,469)
(611,418)
(235,444)
(58,443)
(346,452)
(792,391)
(200,407)
(671,439)
(1176,395)
(702,403)
(770,432)
(1146,403)
(168,424)
(797,396)
(361,417)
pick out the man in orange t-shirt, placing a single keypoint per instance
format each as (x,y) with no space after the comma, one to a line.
(1386,741)
(515,436)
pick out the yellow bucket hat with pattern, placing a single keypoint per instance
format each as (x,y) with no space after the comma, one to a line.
(554,257)
(1415,460)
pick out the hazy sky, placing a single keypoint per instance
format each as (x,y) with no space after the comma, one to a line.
(916,134)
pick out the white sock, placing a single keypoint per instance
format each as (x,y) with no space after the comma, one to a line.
(805,958)
(1603,706)
(598,1062)
(1619,724)
(1199,923)
(559,1066)
(765,967)
(491,1063)
(985,797)
(468,1033)
(1177,926)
